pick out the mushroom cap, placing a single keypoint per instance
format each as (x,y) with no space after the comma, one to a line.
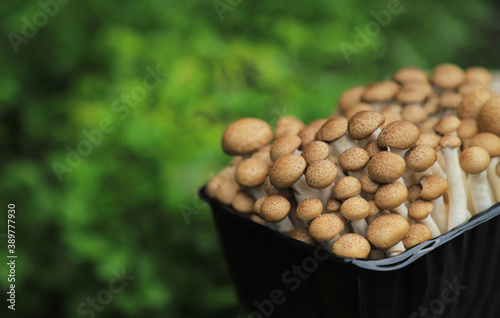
(346,187)
(368,185)
(333,129)
(420,158)
(354,159)
(411,74)
(351,245)
(326,227)
(271,190)
(288,125)
(420,209)
(390,196)
(245,136)
(309,209)
(433,187)
(414,113)
(357,108)
(373,149)
(431,105)
(387,230)
(333,205)
(257,219)
(274,208)
(386,167)
(498,169)
(489,116)
(473,102)
(252,172)
(399,134)
(263,155)
(307,135)
(479,75)
(450,141)
(469,87)
(321,174)
(257,204)
(363,124)
(468,128)
(213,186)
(414,192)
(227,192)
(285,145)
(315,150)
(380,92)
(374,209)
(427,127)
(447,124)
(302,234)
(417,234)
(414,92)
(243,203)
(286,170)
(431,140)
(451,100)
(448,76)
(355,208)
(391,114)
(474,160)
(317,123)
(488,141)
(351,97)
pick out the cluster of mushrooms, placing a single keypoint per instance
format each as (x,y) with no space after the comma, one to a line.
(400,162)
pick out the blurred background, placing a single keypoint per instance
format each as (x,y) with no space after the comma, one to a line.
(112,114)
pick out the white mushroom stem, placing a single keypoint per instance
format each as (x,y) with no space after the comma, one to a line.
(359,227)
(284,226)
(429,221)
(482,197)
(257,192)
(441,161)
(440,214)
(435,169)
(302,191)
(458,195)
(362,143)
(342,144)
(329,244)
(493,178)
(395,250)
(402,210)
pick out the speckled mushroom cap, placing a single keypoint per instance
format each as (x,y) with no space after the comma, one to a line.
(498,169)
(368,185)
(302,234)
(318,123)
(431,140)
(354,159)
(243,203)
(387,230)
(315,150)
(450,141)
(433,187)
(352,246)
(257,204)
(479,75)
(245,136)
(288,125)
(374,209)
(473,102)
(326,227)
(431,105)
(227,192)
(417,234)
(448,76)
(469,87)
(386,167)
(420,209)
(351,97)
(380,92)
(274,208)
(427,127)
(333,129)
(359,107)
(263,155)
(285,145)
(414,92)
(451,100)
(420,158)
(414,192)
(286,170)
(391,114)
(251,172)
(321,174)
(333,205)
(364,123)
(390,196)
(447,125)
(411,74)
(373,149)
(489,116)
(399,134)
(307,135)
(355,208)
(474,160)
(467,129)
(309,209)
(414,113)
(346,187)
(488,141)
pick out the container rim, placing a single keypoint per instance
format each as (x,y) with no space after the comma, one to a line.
(386,264)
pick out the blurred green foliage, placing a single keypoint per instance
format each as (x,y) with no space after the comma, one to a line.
(122,205)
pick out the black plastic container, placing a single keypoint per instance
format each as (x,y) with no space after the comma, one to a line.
(454,275)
